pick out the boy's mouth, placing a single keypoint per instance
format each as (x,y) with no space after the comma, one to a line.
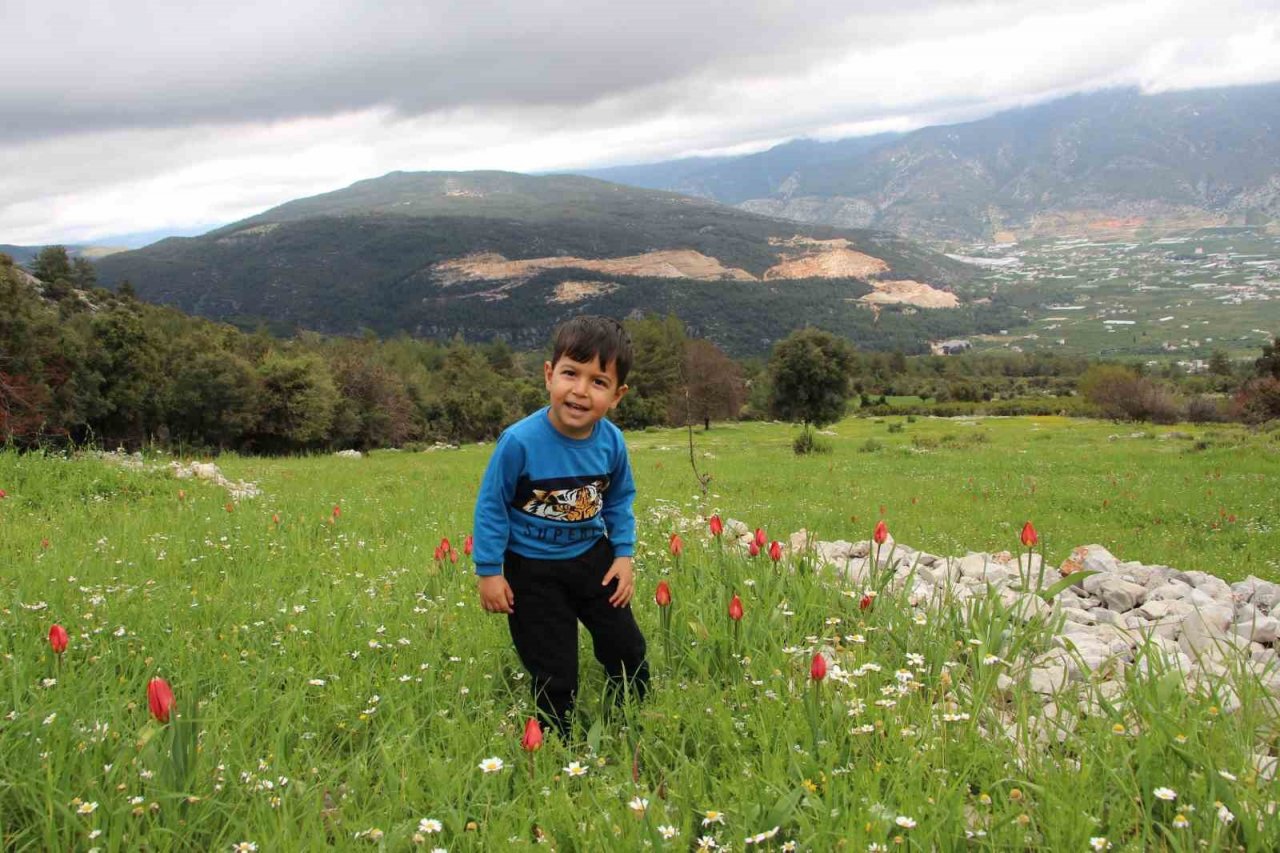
(575,406)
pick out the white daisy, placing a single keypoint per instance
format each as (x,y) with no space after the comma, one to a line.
(1166,794)
(712,816)
(668,832)
(429,825)
(491,765)
(575,769)
(904,822)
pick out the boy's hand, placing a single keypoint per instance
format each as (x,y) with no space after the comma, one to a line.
(622,571)
(496,595)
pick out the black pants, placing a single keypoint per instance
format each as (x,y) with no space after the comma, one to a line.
(552,596)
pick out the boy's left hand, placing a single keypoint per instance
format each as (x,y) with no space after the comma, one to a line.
(621,570)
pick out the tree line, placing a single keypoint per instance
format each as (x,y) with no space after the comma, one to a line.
(80,364)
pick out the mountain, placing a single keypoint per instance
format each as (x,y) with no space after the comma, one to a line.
(27,254)
(1114,161)
(498,254)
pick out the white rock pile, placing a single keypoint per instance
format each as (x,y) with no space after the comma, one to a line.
(1128,615)
(238,489)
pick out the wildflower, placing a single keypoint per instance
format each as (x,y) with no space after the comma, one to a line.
(316,682)
(275,519)
(753,550)
(1029,536)
(676,545)
(818,667)
(716,525)
(1230,777)
(532,740)
(58,639)
(491,765)
(760,537)
(87,808)
(575,769)
(668,832)
(706,843)
(638,804)
(337,510)
(865,601)
(735,609)
(1166,794)
(429,825)
(1180,821)
(904,822)
(712,816)
(160,699)
(775,550)
(663,594)
(880,534)
(244,847)
(1224,814)
(762,837)
(1099,843)
(373,834)
(468,544)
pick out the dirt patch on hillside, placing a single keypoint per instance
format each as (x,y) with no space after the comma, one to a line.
(567,292)
(679,263)
(833,263)
(907,292)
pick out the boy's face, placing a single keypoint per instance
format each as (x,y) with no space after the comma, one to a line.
(581,394)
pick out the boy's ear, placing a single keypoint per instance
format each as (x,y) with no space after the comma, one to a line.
(618,395)
(546,372)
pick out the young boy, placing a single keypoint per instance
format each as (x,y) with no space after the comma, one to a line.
(554,528)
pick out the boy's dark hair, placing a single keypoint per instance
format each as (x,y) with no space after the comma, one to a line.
(587,337)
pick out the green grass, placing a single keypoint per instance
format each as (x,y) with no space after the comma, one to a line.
(241,614)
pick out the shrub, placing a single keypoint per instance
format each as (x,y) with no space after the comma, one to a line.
(870,446)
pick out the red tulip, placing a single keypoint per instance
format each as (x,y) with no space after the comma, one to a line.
(818,669)
(182,494)
(453,556)
(275,518)
(58,639)
(775,550)
(532,740)
(663,594)
(230,507)
(753,549)
(716,525)
(1029,535)
(45,544)
(760,537)
(337,510)
(438,554)
(881,533)
(865,602)
(468,544)
(735,609)
(676,545)
(160,699)
(3,494)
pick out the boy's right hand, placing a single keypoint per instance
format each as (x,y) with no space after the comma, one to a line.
(496,595)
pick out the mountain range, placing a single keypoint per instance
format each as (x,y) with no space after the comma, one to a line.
(1112,162)
(499,254)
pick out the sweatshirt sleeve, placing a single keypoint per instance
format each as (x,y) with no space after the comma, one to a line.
(619,515)
(497,489)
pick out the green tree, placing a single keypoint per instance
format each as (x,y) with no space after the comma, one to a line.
(298,401)
(51,264)
(655,379)
(1269,363)
(809,373)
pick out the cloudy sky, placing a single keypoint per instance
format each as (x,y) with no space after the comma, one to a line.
(128,116)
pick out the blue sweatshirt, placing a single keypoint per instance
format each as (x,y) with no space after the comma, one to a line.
(546,496)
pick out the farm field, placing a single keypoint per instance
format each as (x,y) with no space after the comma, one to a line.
(338,687)
(1175,298)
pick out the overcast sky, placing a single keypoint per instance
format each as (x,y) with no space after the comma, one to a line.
(127,116)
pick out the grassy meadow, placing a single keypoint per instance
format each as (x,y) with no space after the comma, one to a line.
(338,687)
